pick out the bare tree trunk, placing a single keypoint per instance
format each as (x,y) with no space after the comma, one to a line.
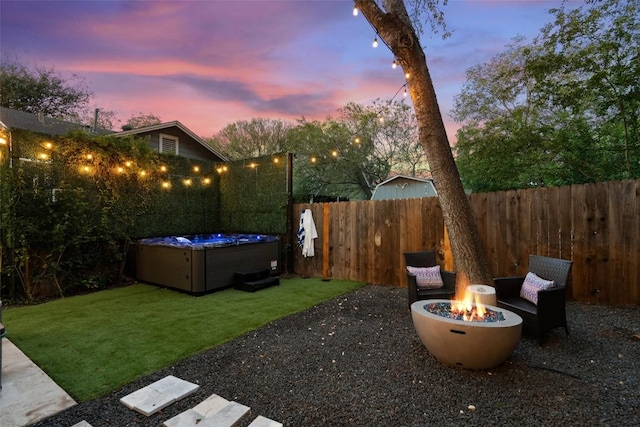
(395,28)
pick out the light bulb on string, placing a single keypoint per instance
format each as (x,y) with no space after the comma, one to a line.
(395,64)
(407,76)
(405,92)
(355,11)
(375,42)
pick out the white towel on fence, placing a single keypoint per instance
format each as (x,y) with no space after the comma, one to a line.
(307,233)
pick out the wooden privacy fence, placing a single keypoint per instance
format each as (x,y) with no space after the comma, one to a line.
(597,226)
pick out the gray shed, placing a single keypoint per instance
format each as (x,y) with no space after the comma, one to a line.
(404,187)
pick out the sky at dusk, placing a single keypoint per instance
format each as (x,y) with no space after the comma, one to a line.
(209,63)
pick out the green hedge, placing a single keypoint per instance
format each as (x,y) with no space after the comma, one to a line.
(71,205)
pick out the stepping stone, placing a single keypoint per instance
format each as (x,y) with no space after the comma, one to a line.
(82,423)
(162,393)
(264,422)
(215,411)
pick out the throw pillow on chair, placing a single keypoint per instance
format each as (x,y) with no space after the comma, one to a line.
(427,277)
(532,285)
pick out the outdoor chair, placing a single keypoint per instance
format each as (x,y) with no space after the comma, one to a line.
(540,297)
(427,284)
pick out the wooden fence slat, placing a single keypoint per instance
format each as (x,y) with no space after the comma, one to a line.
(326,224)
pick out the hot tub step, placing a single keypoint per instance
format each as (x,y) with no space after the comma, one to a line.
(256,285)
(254,280)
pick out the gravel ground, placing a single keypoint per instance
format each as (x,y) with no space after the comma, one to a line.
(357,361)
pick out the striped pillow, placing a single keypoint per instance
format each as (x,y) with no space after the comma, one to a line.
(532,285)
(427,277)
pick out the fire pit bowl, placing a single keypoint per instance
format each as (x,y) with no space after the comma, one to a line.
(466,344)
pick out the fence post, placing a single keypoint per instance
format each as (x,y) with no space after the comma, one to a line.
(325,240)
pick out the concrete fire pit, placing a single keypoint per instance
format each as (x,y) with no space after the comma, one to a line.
(466,344)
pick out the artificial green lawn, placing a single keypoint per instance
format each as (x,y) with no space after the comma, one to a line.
(93,344)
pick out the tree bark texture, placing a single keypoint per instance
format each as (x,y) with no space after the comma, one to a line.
(394,26)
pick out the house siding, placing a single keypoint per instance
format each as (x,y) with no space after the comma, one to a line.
(187,146)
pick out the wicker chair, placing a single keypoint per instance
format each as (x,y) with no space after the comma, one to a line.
(428,259)
(550,312)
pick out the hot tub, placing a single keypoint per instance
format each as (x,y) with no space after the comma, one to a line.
(204,263)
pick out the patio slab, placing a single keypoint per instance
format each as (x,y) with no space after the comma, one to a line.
(264,422)
(28,394)
(213,411)
(158,395)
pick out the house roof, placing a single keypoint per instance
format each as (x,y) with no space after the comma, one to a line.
(175,123)
(38,123)
(49,126)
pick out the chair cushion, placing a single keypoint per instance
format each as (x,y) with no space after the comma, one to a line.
(427,277)
(532,285)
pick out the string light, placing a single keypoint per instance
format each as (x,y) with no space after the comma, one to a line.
(120,169)
(206,181)
(89,156)
(163,168)
(276,160)
(43,156)
(166,184)
(187,182)
(334,153)
(196,169)
(395,64)
(405,91)
(48,145)
(375,42)
(127,164)
(313,159)
(142,173)
(355,11)
(357,140)
(407,75)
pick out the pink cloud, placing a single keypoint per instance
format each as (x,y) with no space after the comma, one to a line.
(211,63)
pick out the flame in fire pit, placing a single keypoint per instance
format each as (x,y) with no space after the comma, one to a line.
(469,307)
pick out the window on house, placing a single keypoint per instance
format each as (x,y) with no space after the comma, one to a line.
(168,144)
